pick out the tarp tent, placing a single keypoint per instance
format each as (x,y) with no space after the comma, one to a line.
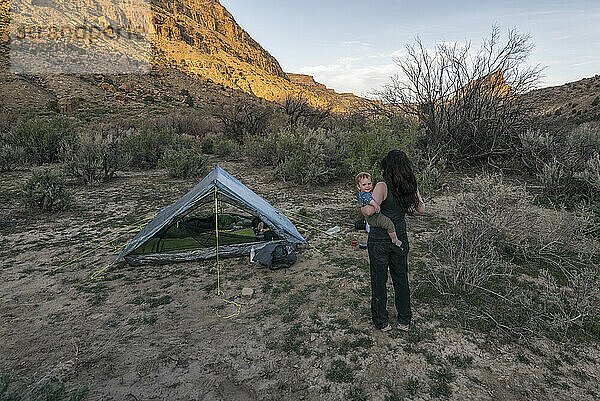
(177,233)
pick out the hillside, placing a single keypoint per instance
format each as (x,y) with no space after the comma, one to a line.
(573,102)
(199,38)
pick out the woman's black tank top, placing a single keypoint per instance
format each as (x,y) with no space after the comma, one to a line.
(391,210)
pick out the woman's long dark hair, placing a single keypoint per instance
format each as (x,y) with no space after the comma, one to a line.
(400,179)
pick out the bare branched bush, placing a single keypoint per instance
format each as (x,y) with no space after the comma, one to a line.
(299,111)
(469,104)
(296,107)
(243,119)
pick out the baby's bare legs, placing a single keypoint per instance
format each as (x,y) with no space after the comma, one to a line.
(395,239)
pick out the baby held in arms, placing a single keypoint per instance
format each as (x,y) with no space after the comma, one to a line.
(365,197)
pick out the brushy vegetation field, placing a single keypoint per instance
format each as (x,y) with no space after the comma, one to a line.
(504,266)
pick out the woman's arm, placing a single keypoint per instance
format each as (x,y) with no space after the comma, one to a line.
(421,206)
(379,195)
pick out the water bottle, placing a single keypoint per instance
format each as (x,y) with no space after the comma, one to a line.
(252,254)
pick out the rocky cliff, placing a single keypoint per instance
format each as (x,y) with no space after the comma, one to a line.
(201,37)
(197,37)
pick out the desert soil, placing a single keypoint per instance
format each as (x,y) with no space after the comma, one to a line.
(158,332)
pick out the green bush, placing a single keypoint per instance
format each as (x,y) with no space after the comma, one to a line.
(183,163)
(273,148)
(11,156)
(95,156)
(46,190)
(207,142)
(227,148)
(317,159)
(340,372)
(145,148)
(41,138)
(368,145)
(304,155)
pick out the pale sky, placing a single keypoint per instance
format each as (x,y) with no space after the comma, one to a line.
(350,45)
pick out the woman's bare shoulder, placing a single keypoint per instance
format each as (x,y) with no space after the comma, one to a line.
(380,192)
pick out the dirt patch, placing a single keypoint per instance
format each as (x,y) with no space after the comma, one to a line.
(154,333)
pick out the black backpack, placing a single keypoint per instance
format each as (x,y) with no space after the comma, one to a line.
(283,257)
(276,256)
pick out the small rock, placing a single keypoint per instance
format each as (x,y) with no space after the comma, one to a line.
(247,293)
(313,337)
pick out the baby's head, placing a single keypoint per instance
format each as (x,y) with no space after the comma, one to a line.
(363,182)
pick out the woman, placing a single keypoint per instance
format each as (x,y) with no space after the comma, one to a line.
(397,195)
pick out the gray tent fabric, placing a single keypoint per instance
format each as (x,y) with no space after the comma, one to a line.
(228,186)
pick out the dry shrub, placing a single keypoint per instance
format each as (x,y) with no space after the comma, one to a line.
(7,120)
(46,190)
(11,156)
(567,164)
(571,306)
(273,148)
(465,257)
(496,229)
(95,156)
(523,227)
(41,138)
(242,119)
(183,124)
(145,148)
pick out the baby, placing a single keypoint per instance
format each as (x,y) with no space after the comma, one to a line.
(365,186)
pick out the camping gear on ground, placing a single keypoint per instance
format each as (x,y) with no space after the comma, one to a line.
(275,256)
(362,245)
(184,232)
(354,242)
(333,230)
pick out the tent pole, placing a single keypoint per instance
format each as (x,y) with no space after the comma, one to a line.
(217,241)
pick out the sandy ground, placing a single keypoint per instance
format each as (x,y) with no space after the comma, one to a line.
(154,333)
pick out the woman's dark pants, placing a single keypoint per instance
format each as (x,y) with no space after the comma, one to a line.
(383,254)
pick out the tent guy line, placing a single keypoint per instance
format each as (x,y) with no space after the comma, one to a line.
(138,227)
